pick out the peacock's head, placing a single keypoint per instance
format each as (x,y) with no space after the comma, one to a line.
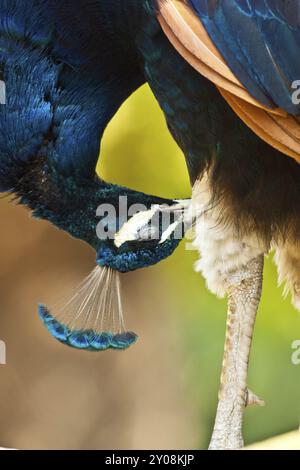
(143,233)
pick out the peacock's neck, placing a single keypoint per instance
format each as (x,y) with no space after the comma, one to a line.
(68,202)
(122,19)
(89,209)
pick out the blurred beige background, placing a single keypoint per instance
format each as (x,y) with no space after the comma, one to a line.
(162,392)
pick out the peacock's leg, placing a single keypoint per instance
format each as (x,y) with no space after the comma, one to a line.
(232,264)
(243,287)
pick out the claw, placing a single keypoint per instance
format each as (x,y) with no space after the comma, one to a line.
(253,400)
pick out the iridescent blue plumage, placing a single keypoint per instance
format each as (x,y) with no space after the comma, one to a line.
(62,86)
(260,41)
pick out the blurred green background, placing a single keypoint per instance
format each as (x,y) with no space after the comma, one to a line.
(162,393)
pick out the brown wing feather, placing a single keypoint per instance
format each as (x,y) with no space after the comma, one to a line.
(276,131)
(187,34)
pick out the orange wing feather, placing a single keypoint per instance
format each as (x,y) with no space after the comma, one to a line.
(189,37)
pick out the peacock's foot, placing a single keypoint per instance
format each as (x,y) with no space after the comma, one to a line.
(244,290)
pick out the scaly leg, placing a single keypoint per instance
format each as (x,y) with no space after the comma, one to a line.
(243,287)
(232,264)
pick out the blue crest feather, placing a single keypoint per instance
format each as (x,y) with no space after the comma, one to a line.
(93,319)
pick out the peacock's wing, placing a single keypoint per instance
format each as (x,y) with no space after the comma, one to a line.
(250,50)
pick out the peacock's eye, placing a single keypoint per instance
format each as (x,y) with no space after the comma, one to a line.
(2,88)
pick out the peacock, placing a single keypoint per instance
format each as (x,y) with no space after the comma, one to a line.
(226,76)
